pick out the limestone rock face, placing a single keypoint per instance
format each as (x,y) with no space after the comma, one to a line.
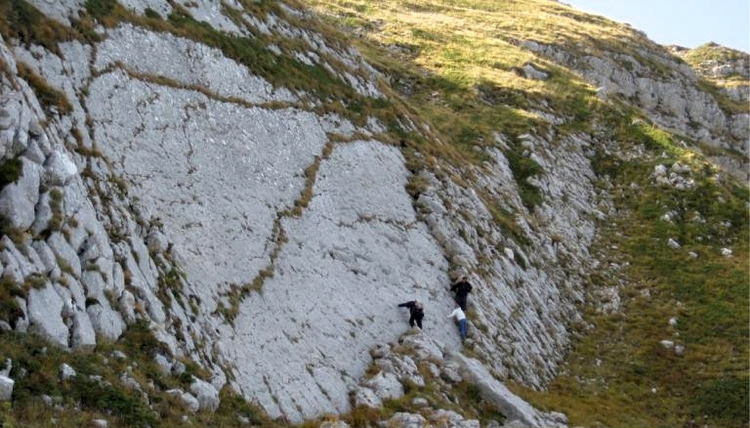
(271,241)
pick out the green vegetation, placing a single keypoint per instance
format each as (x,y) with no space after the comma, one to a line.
(618,374)
(524,168)
(96,391)
(10,171)
(10,310)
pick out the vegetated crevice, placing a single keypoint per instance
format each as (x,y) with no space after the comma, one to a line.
(229,307)
(172,83)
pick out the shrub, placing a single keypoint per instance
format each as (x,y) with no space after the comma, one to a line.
(725,398)
(140,337)
(524,167)
(100,8)
(10,171)
(125,404)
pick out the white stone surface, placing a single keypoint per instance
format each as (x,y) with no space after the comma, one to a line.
(6,388)
(44,312)
(187,62)
(354,255)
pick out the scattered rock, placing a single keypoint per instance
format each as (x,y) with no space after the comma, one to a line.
(67,372)
(667,344)
(406,420)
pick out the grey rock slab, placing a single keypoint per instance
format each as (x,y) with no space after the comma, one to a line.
(43,213)
(210,12)
(19,261)
(34,153)
(364,396)
(17,199)
(66,256)
(106,322)
(231,170)
(385,385)
(44,312)
(83,335)
(354,255)
(188,400)
(407,420)
(162,7)
(511,405)
(67,372)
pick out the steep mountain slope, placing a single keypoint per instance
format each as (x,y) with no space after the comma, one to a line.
(238,199)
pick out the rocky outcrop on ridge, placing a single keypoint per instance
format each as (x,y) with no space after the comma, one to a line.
(667,90)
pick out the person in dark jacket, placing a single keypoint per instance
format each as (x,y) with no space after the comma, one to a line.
(462,289)
(415,312)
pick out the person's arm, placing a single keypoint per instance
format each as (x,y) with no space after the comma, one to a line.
(407,304)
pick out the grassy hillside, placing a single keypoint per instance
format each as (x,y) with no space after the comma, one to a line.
(456,63)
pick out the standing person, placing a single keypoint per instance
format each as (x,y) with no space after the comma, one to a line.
(416,313)
(461,319)
(462,289)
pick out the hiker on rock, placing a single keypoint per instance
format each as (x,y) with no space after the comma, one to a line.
(462,289)
(460,316)
(415,312)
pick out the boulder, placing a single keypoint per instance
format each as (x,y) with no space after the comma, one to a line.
(67,372)
(44,311)
(207,395)
(509,404)
(59,168)
(105,321)
(385,385)
(6,388)
(17,199)
(188,400)
(83,335)
(407,420)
